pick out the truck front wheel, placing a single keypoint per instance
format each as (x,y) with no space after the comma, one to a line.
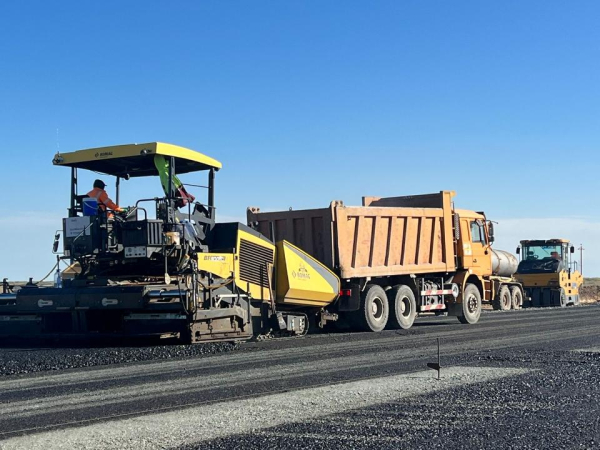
(471,305)
(374,309)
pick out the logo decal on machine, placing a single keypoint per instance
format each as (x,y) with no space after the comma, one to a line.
(214,258)
(302,273)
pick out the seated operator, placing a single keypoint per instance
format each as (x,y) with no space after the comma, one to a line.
(104,202)
(559,264)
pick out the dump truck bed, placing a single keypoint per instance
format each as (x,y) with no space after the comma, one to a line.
(384,237)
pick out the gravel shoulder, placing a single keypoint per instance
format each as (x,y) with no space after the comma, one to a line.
(555,405)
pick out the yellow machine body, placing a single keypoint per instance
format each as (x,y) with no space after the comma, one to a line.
(302,280)
(263,270)
(570,282)
(250,264)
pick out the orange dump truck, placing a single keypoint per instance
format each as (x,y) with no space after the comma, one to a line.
(398,257)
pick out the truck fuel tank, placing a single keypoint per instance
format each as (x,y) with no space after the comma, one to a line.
(504,264)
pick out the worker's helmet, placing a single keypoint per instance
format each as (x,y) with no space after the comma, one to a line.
(99,184)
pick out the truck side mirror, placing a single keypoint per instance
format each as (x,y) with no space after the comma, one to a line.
(491,232)
(56,241)
(518,250)
(572,249)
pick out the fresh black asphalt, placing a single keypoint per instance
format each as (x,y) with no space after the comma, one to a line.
(556,404)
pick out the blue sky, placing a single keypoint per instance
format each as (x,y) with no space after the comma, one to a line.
(306,102)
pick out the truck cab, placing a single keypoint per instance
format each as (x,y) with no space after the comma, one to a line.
(474,246)
(490,269)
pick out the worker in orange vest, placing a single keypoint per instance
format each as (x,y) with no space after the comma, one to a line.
(104,201)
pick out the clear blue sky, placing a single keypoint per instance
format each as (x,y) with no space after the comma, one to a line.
(305,102)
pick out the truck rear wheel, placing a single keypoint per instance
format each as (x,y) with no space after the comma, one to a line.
(471,305)
(374,310)
(403,307)
(517,297)
(503,300)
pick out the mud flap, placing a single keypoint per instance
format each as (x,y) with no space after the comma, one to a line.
(454,309)
(347,303)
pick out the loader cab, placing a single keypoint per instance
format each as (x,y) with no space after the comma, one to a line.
(476,237)
(544,256)
(156,234)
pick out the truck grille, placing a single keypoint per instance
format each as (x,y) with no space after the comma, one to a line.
(253,263)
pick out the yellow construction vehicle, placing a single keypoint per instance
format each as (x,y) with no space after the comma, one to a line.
(164,266)
(548,274)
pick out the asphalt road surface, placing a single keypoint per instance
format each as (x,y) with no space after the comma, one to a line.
(519,379)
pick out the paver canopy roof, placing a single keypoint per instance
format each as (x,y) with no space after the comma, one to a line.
(135,160)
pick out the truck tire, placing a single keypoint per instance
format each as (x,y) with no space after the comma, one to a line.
(516,296)
(374,310)
(471,305)
(403,307)
(503,300)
